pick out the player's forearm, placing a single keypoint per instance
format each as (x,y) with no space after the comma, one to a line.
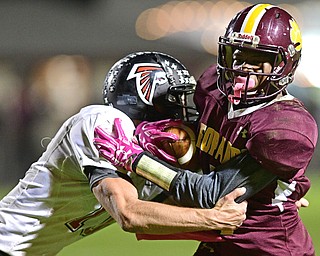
(119,198)
(155,218)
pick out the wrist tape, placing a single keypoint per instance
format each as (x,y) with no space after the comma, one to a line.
(155,170)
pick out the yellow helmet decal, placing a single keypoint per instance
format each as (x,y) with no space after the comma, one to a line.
(295,34)
(253,18)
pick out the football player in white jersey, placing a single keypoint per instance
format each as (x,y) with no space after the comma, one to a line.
(59,200)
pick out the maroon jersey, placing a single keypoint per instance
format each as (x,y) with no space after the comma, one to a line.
(281,135)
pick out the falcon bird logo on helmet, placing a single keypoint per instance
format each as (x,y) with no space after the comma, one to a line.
(147,75)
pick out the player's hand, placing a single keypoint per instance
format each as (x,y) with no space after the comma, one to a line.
(150,135)
(302,203)
(118,149)
(231,214)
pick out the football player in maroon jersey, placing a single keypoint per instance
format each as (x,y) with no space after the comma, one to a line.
(248,117)
(243,104)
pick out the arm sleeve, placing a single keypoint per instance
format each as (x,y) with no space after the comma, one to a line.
(203,191)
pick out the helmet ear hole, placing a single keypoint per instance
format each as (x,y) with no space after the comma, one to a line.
(168,106)
(171,98)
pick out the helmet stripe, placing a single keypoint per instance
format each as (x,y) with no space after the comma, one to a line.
(253,18)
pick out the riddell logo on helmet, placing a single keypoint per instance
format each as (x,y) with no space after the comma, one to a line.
(147,75)
(245,37)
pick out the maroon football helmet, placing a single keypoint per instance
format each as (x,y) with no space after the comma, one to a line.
(260,30)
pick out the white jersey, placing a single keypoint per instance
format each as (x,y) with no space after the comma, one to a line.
(53,206)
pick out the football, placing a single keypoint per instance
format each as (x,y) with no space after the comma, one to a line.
(182,149)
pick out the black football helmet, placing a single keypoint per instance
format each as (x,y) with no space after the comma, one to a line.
(150,86)
(261,30)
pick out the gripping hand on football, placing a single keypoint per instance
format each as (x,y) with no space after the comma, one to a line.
(150,135)
(117,149)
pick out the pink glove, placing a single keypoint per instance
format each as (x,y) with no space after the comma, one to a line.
(119,150)
(151,134)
